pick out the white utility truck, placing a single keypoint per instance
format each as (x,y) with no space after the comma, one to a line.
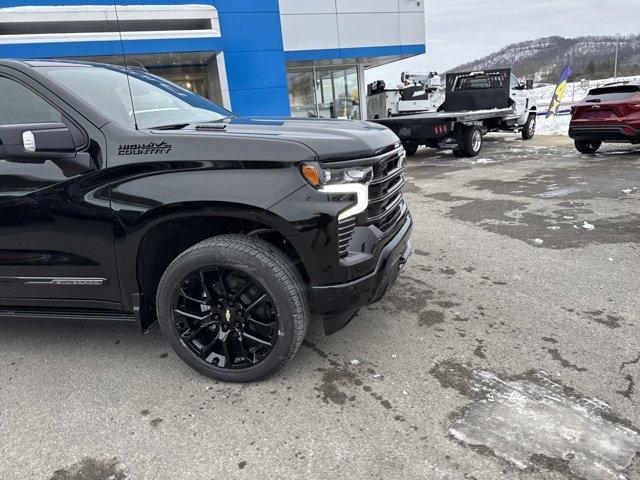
(475,103)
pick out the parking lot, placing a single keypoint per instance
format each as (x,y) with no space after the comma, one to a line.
(508,349)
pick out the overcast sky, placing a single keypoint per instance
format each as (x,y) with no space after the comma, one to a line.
(459,31)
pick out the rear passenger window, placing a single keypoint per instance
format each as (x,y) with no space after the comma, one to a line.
(20,105)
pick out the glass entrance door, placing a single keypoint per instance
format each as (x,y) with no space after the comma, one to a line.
(337,94)
(325,92)
(302,96)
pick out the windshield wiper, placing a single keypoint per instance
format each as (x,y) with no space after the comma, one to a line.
(174,126)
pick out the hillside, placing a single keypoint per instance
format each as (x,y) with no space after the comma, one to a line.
(543,59)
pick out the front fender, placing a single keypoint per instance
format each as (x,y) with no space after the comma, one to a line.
(145,195)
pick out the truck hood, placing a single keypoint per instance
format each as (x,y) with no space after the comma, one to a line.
(330,139)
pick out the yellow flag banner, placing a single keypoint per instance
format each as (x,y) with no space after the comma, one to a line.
(558,94)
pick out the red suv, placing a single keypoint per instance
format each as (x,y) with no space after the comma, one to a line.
(608,114)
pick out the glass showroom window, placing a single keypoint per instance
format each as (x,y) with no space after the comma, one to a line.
(324,92)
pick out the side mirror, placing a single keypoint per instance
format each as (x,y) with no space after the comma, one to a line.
(36,143)
(40,142)
(529,85)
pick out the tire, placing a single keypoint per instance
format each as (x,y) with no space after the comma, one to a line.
(411,148)
(471,141)
(457,153)
(529,128)
(587,147)
(269,274)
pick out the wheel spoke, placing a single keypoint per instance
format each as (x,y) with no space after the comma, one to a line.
(256,339)
(194,333)
(191,316)
(262,298)
(243,289)
(225,350)
(207,353)
(205,285)
(257,322)
(221,280)
(245,352)
(190,298)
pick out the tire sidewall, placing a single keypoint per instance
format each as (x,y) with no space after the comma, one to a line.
(529,130)
(411,149)
(468,136)
(252,266)
(588,148)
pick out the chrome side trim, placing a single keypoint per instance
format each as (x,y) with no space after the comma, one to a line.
(58,281)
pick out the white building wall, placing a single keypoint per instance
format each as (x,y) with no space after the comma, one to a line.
(337,24)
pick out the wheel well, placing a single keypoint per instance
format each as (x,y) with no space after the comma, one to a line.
(164,242)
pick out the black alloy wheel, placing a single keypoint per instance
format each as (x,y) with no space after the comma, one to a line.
(225,317)
(233,307)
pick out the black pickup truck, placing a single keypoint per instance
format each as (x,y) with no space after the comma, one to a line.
(126,197)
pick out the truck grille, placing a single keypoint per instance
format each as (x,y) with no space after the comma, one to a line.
(386,210)
(386,203)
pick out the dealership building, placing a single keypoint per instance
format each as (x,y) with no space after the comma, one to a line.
(257,57)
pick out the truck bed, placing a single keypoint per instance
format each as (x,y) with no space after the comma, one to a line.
(445,117)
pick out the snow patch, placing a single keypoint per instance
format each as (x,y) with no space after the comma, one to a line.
(555,125)
(479,161)
(522,419)
(559,192)
(588,226)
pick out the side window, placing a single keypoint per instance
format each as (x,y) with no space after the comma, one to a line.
(515,83)
(20,105)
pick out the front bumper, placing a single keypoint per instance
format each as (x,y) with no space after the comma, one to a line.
(342,299)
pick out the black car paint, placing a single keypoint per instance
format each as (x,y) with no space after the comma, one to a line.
(94,224)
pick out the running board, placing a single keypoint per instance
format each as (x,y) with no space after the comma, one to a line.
(64,315)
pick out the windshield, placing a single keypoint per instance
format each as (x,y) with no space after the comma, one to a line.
(157,102)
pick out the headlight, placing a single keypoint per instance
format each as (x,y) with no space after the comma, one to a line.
(354,180)
(319,176)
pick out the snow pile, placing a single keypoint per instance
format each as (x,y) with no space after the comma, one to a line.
(555,125)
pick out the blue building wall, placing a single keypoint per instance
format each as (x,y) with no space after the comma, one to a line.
(254,56)
(251,42)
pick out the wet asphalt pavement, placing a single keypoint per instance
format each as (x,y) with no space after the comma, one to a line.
(508,349)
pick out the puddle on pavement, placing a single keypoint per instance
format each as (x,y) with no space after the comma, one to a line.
(92,469)
(534,422)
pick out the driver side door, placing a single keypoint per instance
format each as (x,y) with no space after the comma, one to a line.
(520,97)
(56,223)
